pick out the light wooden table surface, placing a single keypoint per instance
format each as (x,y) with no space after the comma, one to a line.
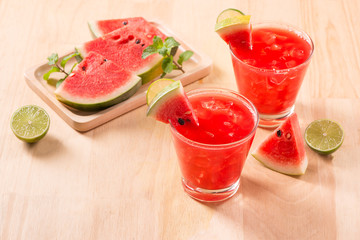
(122,181)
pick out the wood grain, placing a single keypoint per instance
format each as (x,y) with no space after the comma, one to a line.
(122,181)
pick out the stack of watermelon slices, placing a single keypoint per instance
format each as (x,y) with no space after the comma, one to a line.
(112,68)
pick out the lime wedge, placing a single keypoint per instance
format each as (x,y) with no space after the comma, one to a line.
(156,87)
(324,136)
(30,123)
(229,13)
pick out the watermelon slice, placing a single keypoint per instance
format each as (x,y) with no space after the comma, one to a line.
(102,27)
(97,83)
(171,105)
(234,27)
(284,150)
(125,46)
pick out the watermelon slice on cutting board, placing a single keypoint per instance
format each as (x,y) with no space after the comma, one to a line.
(97,83)
(125,46)
(102,27)
(284,150)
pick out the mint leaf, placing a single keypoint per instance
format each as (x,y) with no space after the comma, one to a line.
(173,51)
(185,56)
(67,58)
(170,42)
(53,59)
(52,69)
(157,42)
(149,51)
(163,51)
(58,83)
(167,65)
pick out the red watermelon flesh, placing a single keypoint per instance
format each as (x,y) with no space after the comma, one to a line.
(124,46)
(96,83)
(102,27)
(284,150)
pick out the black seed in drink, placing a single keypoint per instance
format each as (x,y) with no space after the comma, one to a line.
(137,41)
(181,121)
(278,133)
(125,22)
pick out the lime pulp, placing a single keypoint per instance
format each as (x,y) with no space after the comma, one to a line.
(30,123)
(324,136)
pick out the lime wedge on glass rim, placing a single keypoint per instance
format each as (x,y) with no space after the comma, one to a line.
(324,136)
(229,13)
(30,123)
(156,87)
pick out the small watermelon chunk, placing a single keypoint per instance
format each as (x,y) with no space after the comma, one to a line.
(125,46)
(97,83)
(284,150)
(171,105)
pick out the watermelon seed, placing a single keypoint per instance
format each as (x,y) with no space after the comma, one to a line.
(278,133)
(137,41)
(143,44)
(181,121)
(83,68)
(288,135)
(125,23)
(105,60)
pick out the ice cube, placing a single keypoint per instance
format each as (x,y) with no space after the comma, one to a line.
(290,64)
(208,104)
(251,62)
(275,47)
(269,38)
(299,53)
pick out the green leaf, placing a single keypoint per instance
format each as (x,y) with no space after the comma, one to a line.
(149,51)
(157,42)
(163,51)
(73,67)
(59,82)
(67,58)
(184,56)
(173,51)
(170,43)
(53,59)
(52,69)
(167,65)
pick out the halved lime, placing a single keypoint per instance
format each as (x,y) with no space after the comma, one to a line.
(229,13)
(30,123)
(324,136)
(156,87)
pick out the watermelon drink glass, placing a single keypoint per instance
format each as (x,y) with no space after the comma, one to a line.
(212,155)
(270,73)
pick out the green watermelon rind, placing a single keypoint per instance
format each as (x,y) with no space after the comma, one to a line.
(147,73)
(95,31)
(164,96)
(289,170)
(124,93)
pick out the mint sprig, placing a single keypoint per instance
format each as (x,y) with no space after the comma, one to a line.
(53,61)
(167,49)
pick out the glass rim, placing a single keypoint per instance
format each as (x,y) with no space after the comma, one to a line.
(221,145)
(283,25)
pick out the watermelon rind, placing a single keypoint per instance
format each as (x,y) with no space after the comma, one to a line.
(147,73)
(95,32)
(95,104)
(289,170)
(163,96)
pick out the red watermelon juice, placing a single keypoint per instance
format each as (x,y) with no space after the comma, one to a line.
(212,154)
(270,73)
